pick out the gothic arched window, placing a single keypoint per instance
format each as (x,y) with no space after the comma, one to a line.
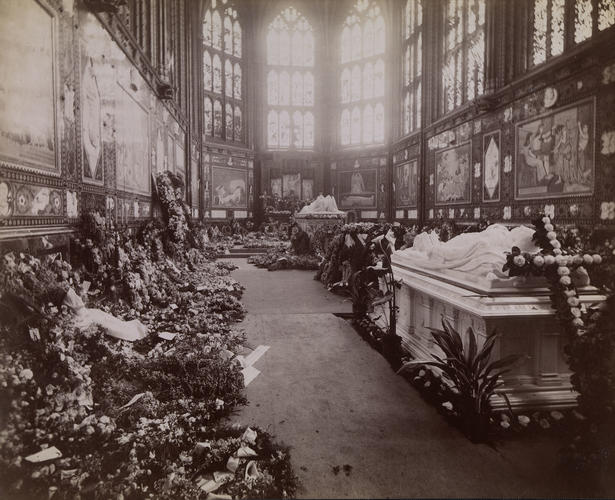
(464,52)
(222,79)
(362,70)
(412,44)
(552,19)
(290,82)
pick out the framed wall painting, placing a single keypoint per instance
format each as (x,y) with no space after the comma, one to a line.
(91,123)
(229,187)
(29,97)
(357,188)
(491,166)
(555,153)
(453,175)
(132,144)
(406,184)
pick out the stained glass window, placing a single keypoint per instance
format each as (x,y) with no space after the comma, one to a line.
(207,71)
(217,74)
(228,78)
(237,82)
(228,120)
(362,75)
(464,52)
(412,65)
(552,19)
(222,77)
(209,119)
(237,122)
(290,81)
(217,118)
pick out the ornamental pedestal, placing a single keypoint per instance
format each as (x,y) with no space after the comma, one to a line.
(518,309)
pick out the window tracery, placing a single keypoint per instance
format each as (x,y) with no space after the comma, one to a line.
(290,81)
(222,75)
(362,79)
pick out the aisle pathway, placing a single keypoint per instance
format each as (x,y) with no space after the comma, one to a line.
(355,428)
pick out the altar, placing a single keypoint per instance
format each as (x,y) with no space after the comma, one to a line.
(518,309)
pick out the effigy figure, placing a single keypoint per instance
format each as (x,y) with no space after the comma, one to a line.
(322,204)
(480,254)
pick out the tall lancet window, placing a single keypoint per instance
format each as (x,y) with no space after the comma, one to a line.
(222,80)
(463,70)
(552,20)
(362,76)
(290,82)
(412,44)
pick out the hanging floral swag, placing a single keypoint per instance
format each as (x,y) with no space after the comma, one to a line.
(589,331)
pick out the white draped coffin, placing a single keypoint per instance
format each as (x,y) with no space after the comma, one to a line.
(520,310)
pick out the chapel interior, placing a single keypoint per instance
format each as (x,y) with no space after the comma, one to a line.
(267,248)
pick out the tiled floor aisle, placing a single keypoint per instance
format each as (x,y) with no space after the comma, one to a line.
(336,402)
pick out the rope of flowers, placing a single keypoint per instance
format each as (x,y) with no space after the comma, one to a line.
(560,269)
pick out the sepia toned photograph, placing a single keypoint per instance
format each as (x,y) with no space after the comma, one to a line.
(313,249)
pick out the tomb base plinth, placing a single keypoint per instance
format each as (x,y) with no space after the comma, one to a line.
(520,311)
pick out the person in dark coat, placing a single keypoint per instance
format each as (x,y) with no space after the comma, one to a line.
(300,241)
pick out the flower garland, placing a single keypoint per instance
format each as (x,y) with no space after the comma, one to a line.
(564,272)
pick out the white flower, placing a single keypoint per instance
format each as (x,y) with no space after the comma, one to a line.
(551,234)
(576,312)
(597,259)
(519,260)
(538,261)
(565,280)
(588,259)
(573,301)
(549,227)
(557,251)
(448,405)
(607,210)
(504,424)
(578,322)
(563,271)
(549,260)
(556,244)
(546,220)
(26,374)
(523,420)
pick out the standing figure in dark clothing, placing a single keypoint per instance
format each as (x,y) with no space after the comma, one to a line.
(300,241)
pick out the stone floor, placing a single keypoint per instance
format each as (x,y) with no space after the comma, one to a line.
(355,428)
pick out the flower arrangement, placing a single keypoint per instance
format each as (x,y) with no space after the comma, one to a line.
(107,417)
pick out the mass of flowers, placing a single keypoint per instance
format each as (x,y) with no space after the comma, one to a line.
(87,415)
